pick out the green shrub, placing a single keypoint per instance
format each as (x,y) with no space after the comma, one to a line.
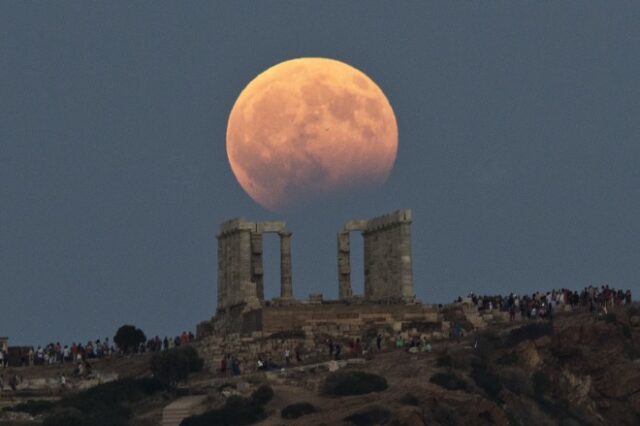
(529,332)
(631,350)
(112,394)
(100,416)
(516,380)
(487,343)
(236,411)
(102,405)
(66,417)
(445,414)
(488,382)
(342,383)
(510,358)
(31,407)
(448,381)
(298,409)
(262,395)
(409,399)
(541,384)
(374,415)
(173,366)
(444,360)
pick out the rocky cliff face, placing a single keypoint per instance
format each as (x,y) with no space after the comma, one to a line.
(583,368)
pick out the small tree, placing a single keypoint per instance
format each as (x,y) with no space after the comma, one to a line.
(128,338)
(173,366)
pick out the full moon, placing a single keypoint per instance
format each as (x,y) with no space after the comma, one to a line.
(308,128)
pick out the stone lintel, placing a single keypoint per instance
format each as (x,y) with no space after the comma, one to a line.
(236,224)
(356,225)
(263,227)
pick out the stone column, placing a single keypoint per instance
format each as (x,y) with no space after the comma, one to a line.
(406,269)
(286,284)
(221,273)
(344,266)
(257,272)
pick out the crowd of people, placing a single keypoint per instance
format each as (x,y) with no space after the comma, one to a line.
(543,304)
(56,353)
(157,344)
(333,349)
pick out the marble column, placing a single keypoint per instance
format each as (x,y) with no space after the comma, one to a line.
(286,284)
(257,271)
(344,266)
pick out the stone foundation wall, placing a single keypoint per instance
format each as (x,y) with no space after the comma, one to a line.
(342,318)
(270,330)
(388,274)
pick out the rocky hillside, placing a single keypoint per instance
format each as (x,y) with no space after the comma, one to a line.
(580,369)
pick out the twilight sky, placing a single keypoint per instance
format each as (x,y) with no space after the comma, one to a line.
(519,151)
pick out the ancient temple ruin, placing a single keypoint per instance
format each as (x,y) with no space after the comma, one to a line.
(247,324)
(387,257)
(387,261)
(240,271)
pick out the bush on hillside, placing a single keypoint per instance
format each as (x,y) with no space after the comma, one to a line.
(541,384)
(112,394)
(262,395)
(128,338)
(297,410)
(66,417)
(102,416)
(448,381)
(342,383)
(173,366)
(409,399)
(516,380)
(373,415)
(237,411)
(444,360)
(529,332)
(488,382)
(102,405)
(31,407)
(510,358)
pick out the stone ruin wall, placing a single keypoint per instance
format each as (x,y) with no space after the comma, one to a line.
(388,271)
(240,267)
(271,330)
(314,324)
(387,253)
(245,324)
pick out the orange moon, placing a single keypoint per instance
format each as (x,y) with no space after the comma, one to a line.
(308,128)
